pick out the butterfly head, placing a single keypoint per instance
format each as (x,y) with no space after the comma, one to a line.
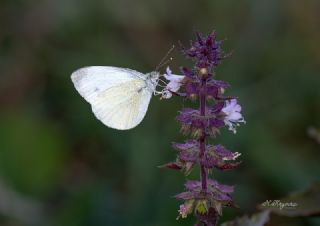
(167,87)
(153,79)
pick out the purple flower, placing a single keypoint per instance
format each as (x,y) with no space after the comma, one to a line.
(173,85)
(224,153)
(234,156)
(218,83)
(192,88)
(189,144)
(193,185)
(232,114)
(183,211)
(206,51)
(187,72)
(185,195)
(206,197)
(216,196)
(192,120)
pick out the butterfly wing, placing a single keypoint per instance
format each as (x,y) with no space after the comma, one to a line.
(119,97)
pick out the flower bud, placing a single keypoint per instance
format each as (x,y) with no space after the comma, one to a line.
(202,207)
(203,72)
(192,49)
(193,96)
(185,129)
(196,132)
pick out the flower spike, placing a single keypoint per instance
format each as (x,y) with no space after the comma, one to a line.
(204,197)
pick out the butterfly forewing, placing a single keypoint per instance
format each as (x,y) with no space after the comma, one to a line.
(119,97)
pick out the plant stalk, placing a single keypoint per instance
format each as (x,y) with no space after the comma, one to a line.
(202,139)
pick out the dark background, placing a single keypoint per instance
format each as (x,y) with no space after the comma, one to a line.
(61,166)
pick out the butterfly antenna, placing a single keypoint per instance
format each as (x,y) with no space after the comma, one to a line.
(163,60)
(166,62)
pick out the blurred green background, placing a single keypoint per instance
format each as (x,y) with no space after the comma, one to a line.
(60,166)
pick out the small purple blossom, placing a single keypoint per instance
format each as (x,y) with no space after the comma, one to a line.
(232,114)
(206,51)
(183,211)
(173,85)
(205,198)
(193,185)
(224,153)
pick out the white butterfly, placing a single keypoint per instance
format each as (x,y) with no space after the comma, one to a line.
(119,97)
